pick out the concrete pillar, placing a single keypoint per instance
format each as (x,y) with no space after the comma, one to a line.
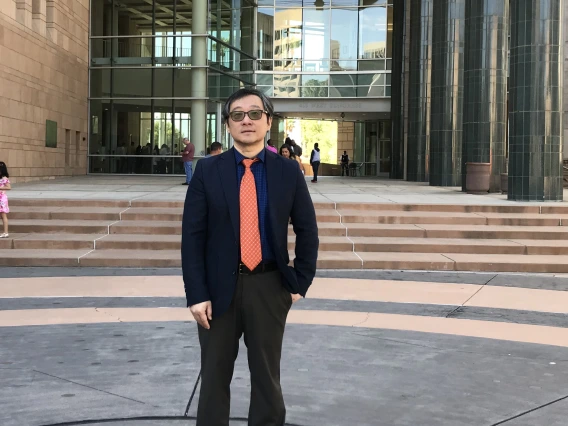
(485,86)
(420,63)
(219,133)
(39,11)
(24,12)
(447,92)
(565,94)
(536,83)
(397,92)
(199,76)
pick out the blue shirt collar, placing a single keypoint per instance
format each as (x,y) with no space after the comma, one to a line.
(240,157)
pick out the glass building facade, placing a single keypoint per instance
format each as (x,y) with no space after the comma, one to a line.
(141,66)
(326,48)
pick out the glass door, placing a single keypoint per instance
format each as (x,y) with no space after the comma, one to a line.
(384,160)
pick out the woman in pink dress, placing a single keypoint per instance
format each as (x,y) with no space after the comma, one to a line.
(4,185)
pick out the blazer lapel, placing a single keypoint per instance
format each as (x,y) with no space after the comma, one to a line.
(273,179)
(228,173)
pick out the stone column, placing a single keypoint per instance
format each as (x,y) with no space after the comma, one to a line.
(397,92)
(447,92)
(199,76)
(219,123)
(24,12)
(485,86)
(565,93)
(420,63)
(535,142)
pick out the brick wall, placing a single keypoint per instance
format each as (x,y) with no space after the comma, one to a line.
(44,76)
(345,138)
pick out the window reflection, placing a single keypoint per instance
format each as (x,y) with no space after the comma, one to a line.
(288,36)
(373,33)
(316,39)
(344,39)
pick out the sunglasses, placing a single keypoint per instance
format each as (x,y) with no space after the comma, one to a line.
(255,114)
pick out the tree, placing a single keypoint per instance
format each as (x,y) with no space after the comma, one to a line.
(168,136)
(325,134)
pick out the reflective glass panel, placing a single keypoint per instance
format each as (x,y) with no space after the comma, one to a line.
(288,34)
(344,24)
(316,27)
(373,33)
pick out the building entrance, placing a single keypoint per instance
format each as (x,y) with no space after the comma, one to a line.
(376,147)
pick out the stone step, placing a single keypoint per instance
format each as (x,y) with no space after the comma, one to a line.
(352,216)
(332,243)
(53,202)
(66,213)
(327,260)
(59,226)
(368,207)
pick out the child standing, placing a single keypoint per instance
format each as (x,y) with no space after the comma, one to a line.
(4,185)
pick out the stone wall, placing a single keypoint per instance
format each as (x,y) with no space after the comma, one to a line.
(44,76)
(345,138)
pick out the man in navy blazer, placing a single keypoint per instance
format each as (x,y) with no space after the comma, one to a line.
(226,298)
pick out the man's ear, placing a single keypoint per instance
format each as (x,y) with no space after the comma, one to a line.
(269,121)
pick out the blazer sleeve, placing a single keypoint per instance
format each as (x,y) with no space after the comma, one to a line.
(193,240)
(306,228)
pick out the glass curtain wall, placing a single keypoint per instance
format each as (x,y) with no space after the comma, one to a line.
(140,80)
(324,48)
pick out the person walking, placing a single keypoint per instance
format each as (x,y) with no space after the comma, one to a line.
(235,260)
(345,164)
(4,208)
(187,158)
(315,159)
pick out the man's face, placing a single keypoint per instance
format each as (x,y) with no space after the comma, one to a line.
(248,131)
(185,141)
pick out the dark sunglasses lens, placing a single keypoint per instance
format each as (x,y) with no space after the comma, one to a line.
(255,115)
(237,116)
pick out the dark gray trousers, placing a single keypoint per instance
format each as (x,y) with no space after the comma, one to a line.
(259,310)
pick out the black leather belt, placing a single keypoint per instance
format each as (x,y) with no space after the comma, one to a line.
(263,267)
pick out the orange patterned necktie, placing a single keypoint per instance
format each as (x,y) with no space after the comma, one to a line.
(251,251)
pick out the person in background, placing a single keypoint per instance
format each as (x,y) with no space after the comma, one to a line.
(270,146)
(315,159)
(216,149)
(287,152)
(296,148)
(187,157)
(345,164)
(4,208)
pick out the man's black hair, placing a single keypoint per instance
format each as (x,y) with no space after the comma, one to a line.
(242,93)
(215,146)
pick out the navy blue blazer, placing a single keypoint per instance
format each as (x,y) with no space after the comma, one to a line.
(210,243)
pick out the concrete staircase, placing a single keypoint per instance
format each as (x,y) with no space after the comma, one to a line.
(506,238)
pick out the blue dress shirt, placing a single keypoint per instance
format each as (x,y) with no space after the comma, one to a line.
(259,171)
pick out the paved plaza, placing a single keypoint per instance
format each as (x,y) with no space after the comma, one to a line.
(327,189)
(117,346)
